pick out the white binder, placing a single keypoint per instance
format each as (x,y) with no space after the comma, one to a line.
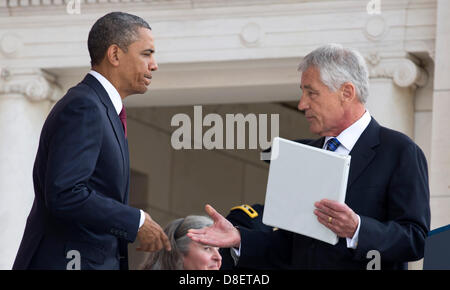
(300,175)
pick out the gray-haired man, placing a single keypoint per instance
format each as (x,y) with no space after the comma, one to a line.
(387,202)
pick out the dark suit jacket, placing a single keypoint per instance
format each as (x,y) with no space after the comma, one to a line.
(81,184)
(387,188)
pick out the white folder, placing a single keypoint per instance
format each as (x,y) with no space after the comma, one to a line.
(299,176)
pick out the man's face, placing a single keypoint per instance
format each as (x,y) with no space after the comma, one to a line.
(137,64)
(323,108)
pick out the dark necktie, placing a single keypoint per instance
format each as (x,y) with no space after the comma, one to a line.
(333,144)
(123,119)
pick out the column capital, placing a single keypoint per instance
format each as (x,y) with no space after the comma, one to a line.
(403,71)
(34,84)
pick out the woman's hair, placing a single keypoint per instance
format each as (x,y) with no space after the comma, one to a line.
(176,232)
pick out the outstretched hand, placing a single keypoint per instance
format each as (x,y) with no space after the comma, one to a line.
(221,234)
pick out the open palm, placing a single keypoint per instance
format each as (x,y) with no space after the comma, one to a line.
(221,234)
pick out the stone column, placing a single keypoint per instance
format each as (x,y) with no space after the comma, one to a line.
(392,89)
(26,96)
(440,139)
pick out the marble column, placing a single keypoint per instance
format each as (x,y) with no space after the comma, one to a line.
(26,96)
(392,89)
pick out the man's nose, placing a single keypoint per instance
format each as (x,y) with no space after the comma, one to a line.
(153,65)
(302,104)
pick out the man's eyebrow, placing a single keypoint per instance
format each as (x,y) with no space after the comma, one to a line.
(307,87)
(149,50)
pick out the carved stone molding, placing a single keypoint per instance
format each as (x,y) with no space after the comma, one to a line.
(404,72)
(251,34)
(34,84)
(10,44)
(375,28)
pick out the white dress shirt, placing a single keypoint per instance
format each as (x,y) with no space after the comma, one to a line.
(118,105)
(348,139)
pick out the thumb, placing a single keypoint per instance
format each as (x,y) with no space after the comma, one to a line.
(212,213)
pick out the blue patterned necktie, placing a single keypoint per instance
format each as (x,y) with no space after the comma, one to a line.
(333,144)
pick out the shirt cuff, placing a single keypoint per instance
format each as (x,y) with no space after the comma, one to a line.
(235,254)
(353,242)
(142,220)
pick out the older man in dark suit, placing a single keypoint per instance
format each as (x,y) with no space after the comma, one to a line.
(82,170)
(387,202)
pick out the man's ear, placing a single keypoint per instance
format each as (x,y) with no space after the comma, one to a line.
(348,92)
(113,54)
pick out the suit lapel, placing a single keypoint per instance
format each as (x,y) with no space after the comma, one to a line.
(127,168)
(363,153)
(113,119)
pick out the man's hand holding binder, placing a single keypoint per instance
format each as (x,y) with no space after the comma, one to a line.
(338,217)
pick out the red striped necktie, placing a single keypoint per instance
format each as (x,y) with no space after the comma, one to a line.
(123,119)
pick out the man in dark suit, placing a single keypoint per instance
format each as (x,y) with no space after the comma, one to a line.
(80,218)
(387,201)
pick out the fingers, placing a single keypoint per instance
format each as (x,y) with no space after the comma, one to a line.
(202,239)
(324,212)
(324,216)
(196,234)
(332,205)
(152,237)
(325,220)
(337,217)
(326,209)
(197,231)
(162,241)
(333,209)
(161,238)
(166,242)
(153,246)
(156,246)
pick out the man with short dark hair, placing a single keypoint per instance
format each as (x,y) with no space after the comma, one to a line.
(80,218)
(387,206)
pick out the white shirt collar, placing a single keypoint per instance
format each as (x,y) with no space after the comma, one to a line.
(110,89)
(349,136)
